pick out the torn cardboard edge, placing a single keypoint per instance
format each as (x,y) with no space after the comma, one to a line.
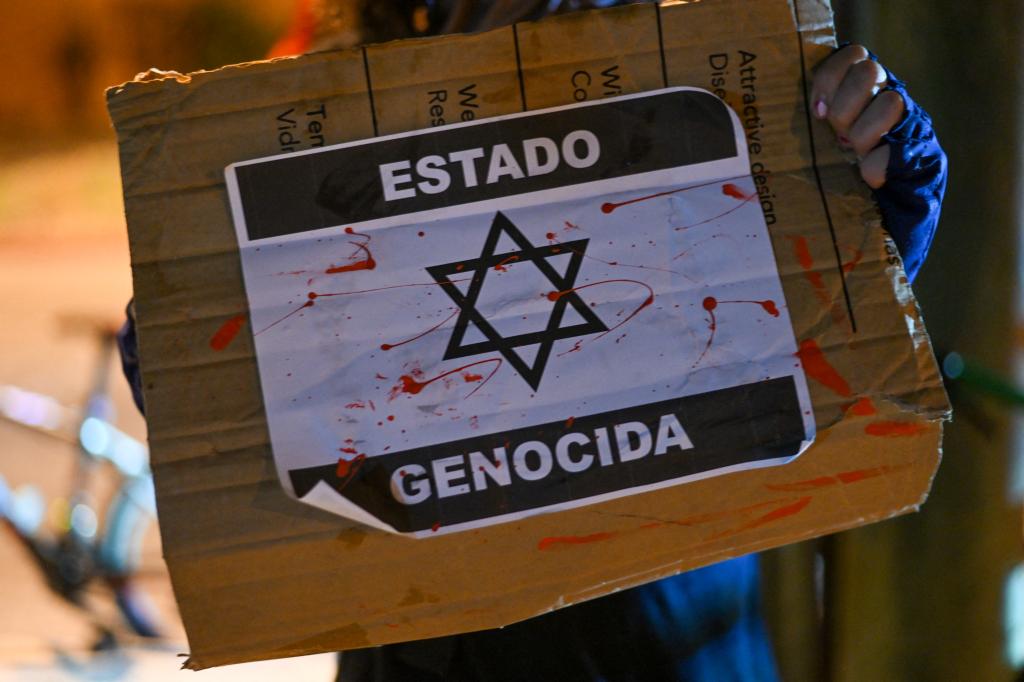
(210,455)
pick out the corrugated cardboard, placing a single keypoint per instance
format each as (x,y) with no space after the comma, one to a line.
(258,575)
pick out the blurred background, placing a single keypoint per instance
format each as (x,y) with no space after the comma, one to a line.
(937,595)
(65,280)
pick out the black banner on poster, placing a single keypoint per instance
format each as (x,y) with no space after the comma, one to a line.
(398,175)
(561,463)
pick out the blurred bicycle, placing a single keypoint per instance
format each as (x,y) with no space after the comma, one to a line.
(73,551)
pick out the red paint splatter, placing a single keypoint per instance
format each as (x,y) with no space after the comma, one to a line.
(802,250)
(575,347)
(799,486)
(226,333)
(569,422)
(731,190)
(818,282)
(421,234)
(348,450)
(313,294)
(862,408)
(436,527)
(768,305)
(709,304)
(714,217)
(777,514)
(391,417)
(367,263)
(411,385)
(355,406)
(381,376)
(389,346)
(887,429)
(780,513)
(570,226)
(555,295)
(615,263)
(559,542)
(842,478)
(847,477)
(347,468)
(819,369)
(693,247)
(469,377)
(850,265)
(500,267)
(700,519)
(551,236)
(307,304)
(608,207)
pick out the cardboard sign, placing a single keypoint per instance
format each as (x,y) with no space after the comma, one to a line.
(471,324)
(788,289)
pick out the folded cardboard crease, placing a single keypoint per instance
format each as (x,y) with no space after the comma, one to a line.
(258,575)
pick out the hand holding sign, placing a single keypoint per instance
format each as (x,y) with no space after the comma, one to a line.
(846,93)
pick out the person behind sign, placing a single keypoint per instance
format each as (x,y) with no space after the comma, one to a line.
(704,625)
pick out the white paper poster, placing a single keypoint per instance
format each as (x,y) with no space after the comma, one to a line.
(471,324)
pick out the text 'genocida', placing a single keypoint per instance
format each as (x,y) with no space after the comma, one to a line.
(574,452)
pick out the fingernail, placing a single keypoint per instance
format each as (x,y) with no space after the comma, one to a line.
(820,109)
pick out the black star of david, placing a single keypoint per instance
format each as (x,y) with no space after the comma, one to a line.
(563,284)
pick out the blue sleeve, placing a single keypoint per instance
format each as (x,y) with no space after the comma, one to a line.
(128,347)
(911,198)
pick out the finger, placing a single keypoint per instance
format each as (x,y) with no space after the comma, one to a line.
(854,94)
(830,74)
(881,116)
(874,165)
